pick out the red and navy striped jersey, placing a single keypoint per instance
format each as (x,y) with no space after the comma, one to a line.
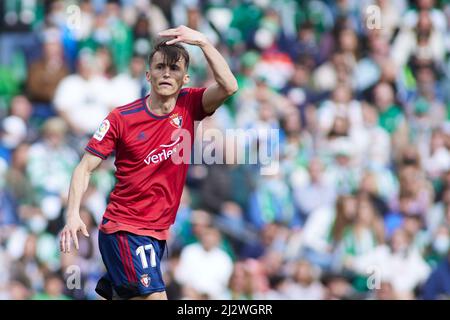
(149,183)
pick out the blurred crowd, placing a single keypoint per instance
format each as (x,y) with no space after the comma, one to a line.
(359,91)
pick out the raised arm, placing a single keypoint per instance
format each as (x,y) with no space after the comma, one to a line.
(226,84)
(78,186)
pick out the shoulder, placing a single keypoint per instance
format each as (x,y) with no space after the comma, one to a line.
(191,97)
(37,148)
(131,108)
(191,91)
(192,249)
(72,79)
(68,86)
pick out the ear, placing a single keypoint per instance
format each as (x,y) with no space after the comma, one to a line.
(147,75)
(186,79)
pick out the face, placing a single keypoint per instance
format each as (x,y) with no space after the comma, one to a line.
(266,112)
(365,213)
(210,239)
(166,80)
(369,183)
(20,157)
(399,240)
(30,247)
(411,224)
(348,40)
(370,116)
(54,138)
(350,207)
(437,140)
(315,169)
(341,126)
(292,122)
(385,292)
(137,67)
(304,273)
(52,50)
(383,96)
(424,24)
(342,94)
(301,75)
(21,107)
(53,286)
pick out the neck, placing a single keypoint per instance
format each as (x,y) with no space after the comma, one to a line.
(161,105)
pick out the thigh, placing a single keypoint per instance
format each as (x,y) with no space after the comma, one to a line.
(133,263)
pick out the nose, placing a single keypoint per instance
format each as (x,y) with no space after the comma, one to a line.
(166,72)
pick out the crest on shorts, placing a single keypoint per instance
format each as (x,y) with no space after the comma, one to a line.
(145,280)
(176,120)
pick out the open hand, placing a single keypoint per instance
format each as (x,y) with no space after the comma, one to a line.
(184,34)
(69,233)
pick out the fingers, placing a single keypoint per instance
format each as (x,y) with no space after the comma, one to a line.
(169,33)
(64,243)
(70,234)
(173,41)
(67,241)
(73,233)
(84,230)
(62,239)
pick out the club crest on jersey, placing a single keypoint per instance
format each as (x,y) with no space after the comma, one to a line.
(176,120)
(102,130)
(145,280)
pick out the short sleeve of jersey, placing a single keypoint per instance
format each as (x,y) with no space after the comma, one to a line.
(103,142)
(195,98)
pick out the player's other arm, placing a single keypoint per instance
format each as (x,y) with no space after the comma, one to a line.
(225,83)
(78,186)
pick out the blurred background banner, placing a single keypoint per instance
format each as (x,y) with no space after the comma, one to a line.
(359,207)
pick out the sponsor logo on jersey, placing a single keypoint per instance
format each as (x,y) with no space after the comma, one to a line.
(102,130)
(161,153)
(176,120)
(145,280)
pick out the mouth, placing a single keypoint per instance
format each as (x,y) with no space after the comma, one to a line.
(165,84)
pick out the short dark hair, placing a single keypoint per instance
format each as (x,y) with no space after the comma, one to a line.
(171,53)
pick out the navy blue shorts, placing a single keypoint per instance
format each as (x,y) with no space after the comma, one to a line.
(133,265)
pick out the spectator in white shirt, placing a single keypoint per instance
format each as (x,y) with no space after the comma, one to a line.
(204,266)
(399,262)
(84,99)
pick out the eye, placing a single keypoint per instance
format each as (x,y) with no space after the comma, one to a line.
(174,67)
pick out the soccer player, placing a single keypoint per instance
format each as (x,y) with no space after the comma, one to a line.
(145,199)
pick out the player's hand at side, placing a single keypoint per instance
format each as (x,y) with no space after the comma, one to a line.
(184,34)
(69,233)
